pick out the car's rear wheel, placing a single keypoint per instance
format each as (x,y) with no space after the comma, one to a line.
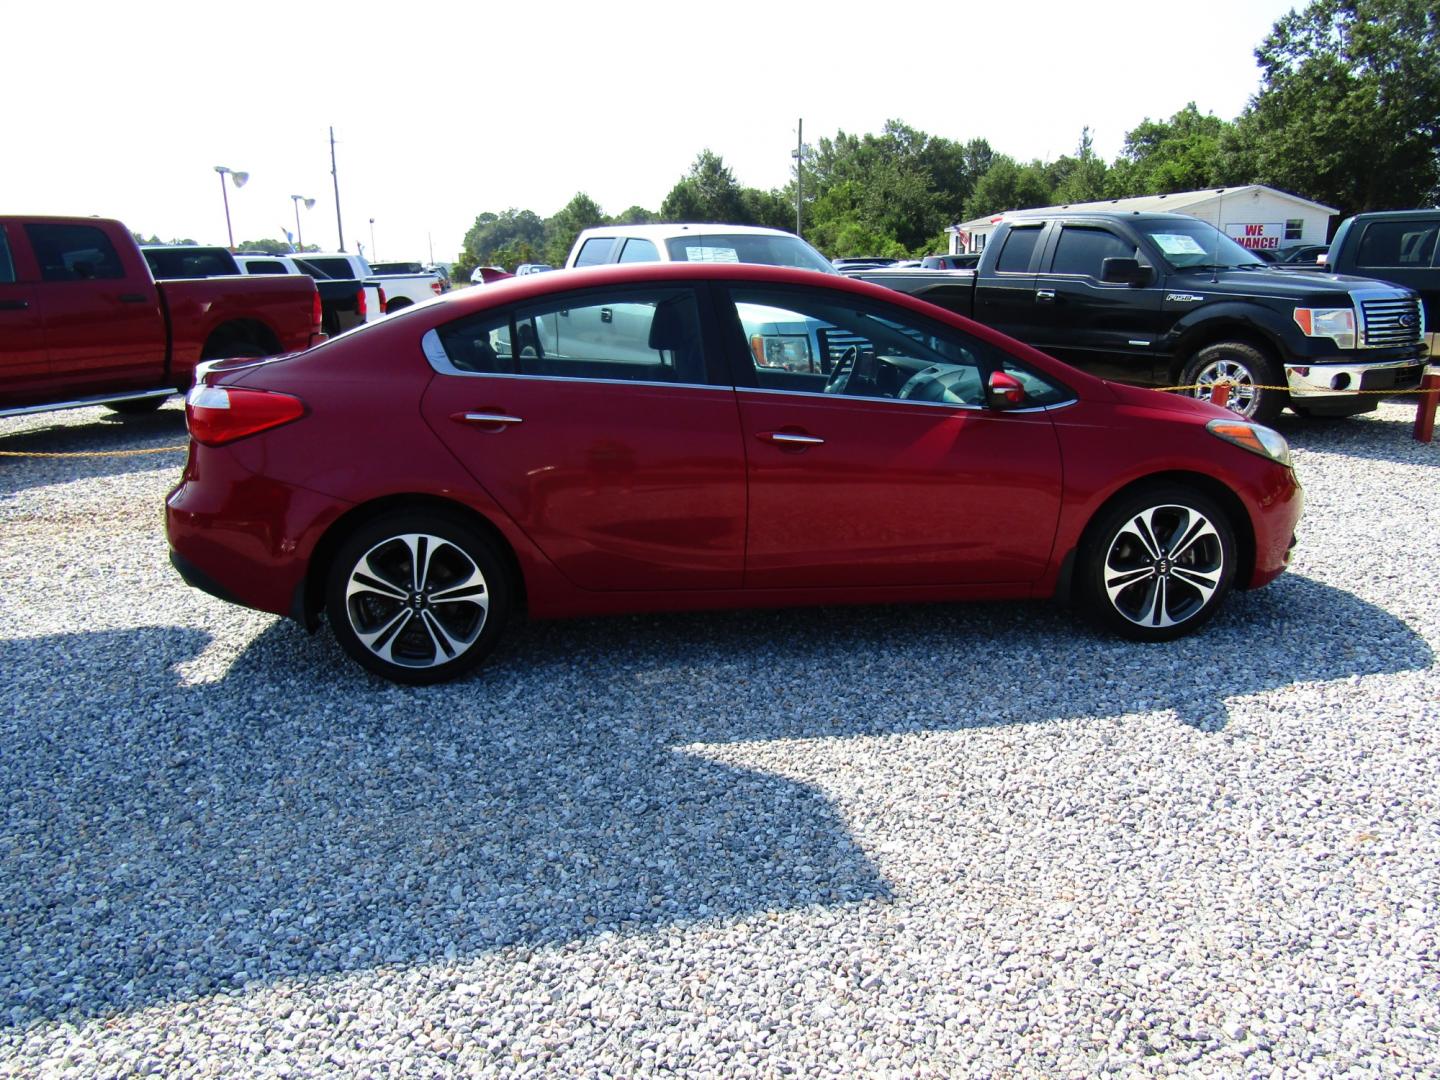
(1157,564)
(1248,371)
(418,597)
(137,406)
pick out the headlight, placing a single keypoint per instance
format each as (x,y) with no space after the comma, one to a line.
(1336,323)
(788,351)
(1256,438)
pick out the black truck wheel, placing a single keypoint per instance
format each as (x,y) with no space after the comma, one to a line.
(1248,370)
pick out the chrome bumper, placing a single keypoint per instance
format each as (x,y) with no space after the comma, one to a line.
(1340,380)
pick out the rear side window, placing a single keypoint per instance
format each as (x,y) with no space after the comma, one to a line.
(7,267)
(74,253)
(189,262)
(1398,244)
(264,266)
(1082,251)
(595,251)
(634,335)
(1019,246)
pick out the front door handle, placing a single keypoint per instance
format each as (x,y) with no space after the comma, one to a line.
(494,418)
(606,315)
(14,305)
(792,439)
(1044,296)
(133,298)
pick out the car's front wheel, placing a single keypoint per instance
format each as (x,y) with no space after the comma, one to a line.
(418,598)
(1254,378)
(1157,564)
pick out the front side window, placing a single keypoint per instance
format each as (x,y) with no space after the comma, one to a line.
(1083,251)
(7,266)
(843,345)
(74,253)
(1398,244)
(638,335)
(637,250)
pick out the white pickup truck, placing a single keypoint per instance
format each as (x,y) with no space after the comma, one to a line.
(401,290)
(344,304)
(694,243)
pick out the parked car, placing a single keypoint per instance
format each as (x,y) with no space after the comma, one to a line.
(685,242)
(532,268)
(442,272)
(343,304)
(1168,300)
(861,262)
(961,261)
(1397,246)
(484,275)
(83,321)
(1301,255)
(401,290)
(663,466)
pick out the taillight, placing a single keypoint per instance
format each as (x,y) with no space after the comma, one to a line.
(435,287)
(317,314)
(360,301)
(217,415)
(382,300)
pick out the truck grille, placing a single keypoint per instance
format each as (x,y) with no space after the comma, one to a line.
(1391,322)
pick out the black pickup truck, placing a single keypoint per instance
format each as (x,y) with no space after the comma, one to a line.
(1168,300)
(1398,246)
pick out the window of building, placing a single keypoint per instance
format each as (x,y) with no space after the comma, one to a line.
(1294,228)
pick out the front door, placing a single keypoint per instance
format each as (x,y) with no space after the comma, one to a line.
(23,366)
(888,469)
(620,458)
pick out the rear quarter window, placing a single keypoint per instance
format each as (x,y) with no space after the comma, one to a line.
(1398,244)
(595,251)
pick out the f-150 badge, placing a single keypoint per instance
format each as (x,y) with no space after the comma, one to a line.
(1184,297)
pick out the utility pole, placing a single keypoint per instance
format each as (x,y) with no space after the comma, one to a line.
(339,225)
(799,157)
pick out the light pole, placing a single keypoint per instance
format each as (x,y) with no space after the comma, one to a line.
(238,179)
(309,205)
(372,239)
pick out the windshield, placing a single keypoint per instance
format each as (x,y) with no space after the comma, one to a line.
(1196,243)
(748,248)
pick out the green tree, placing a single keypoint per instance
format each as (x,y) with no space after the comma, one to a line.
(707,193)
(1080,178)
(1184,153)
(636,215)
(1349,107)
(1008,185)
(494,233)
(269,247)
(581,212)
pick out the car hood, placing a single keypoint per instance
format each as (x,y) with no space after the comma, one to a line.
(1171,403)
(1281,284)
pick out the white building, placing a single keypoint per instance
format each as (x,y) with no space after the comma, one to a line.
(1254,216)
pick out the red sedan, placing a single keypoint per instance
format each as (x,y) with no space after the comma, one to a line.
(704,436)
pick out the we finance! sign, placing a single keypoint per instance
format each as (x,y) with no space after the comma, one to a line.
(1263,236)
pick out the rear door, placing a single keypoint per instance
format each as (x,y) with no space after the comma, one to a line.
(104,329)
(24,370)
(1005,295)
(889,470)
(620,458)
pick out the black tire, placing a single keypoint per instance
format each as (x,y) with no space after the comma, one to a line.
(396,305)
(1150,570)
(228,349)
(404,634)
(1247,367)
(138,406)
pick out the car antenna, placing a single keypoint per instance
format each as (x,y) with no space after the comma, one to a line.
(1219,217)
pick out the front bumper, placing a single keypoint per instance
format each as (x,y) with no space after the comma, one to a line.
(1343,378)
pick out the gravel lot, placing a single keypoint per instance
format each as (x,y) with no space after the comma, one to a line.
(923,841)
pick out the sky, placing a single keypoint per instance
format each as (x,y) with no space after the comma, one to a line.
(444,111)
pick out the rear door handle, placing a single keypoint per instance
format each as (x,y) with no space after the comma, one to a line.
(133,298)
(14,305)
(486,419)
(1044,296)
(606,315)
(795,439)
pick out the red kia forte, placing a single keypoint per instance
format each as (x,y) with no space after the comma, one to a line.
(704,436)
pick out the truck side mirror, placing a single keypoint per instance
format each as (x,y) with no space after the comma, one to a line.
(1124,271)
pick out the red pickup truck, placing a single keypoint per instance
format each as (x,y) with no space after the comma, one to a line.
(83,322)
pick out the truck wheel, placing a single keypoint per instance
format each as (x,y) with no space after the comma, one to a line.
(137,406)
(1158,563)
(418,597)
(1247,369)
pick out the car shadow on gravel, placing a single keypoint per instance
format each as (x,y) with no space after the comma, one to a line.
(1381,436)
(108,436)
(298,818)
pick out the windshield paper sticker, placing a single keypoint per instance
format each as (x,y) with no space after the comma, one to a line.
(711,254)
(1178,244)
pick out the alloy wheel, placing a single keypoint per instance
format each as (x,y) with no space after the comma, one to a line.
(1243,395)
(1163,566)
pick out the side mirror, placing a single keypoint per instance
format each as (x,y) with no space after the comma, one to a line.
(1005,390)
(1124,271)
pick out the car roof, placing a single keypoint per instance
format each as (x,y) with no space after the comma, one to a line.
(671,230)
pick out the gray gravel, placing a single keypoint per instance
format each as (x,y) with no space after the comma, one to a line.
(916,841)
